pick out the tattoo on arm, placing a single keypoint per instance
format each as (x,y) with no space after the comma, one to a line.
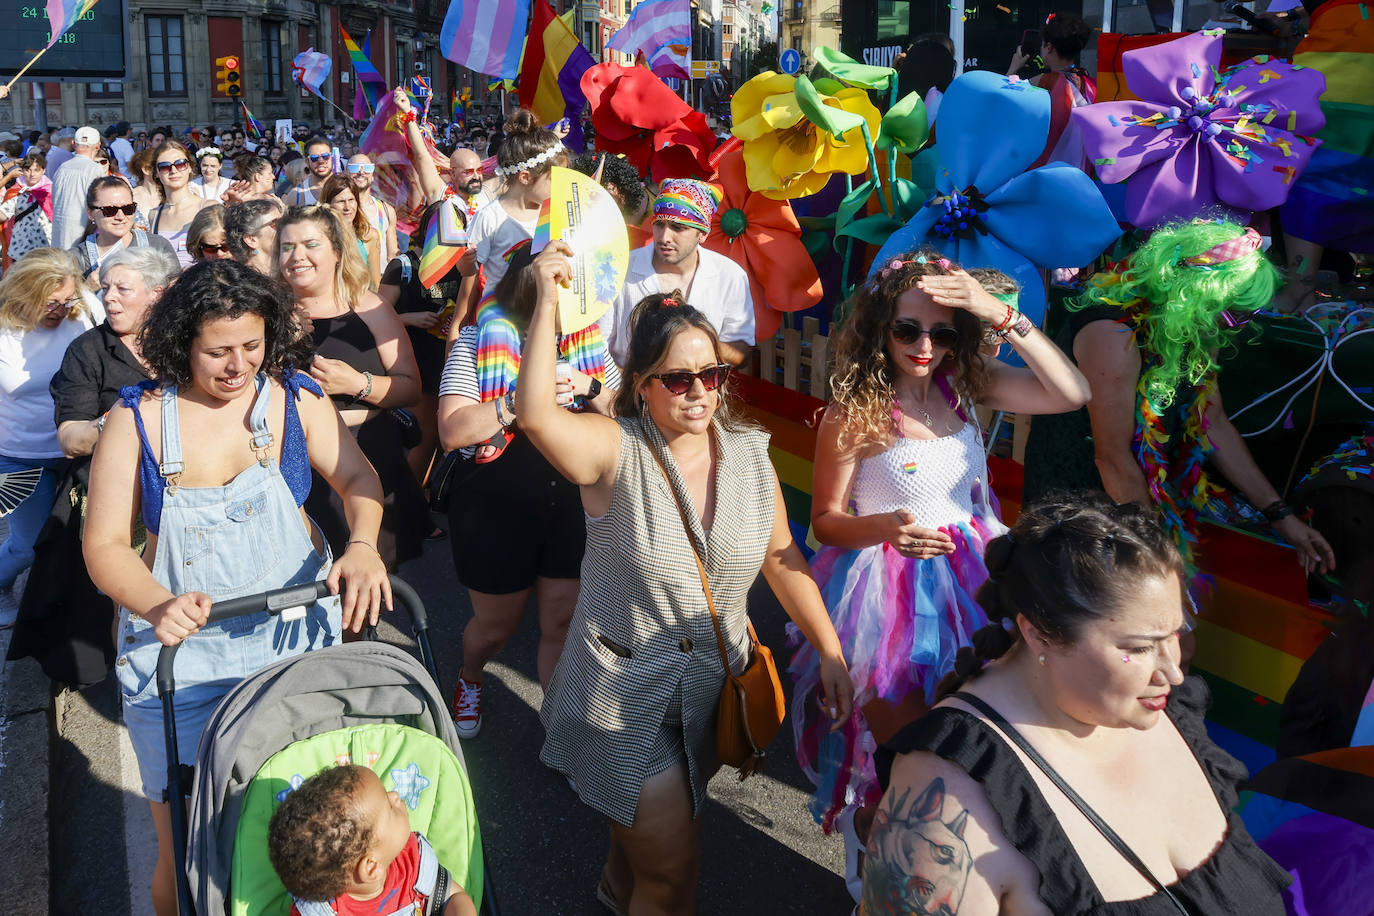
(917,863)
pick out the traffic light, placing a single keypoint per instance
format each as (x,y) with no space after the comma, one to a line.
(230,79)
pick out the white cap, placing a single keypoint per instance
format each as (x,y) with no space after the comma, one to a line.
(87,136)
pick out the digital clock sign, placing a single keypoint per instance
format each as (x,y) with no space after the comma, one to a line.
(96,47)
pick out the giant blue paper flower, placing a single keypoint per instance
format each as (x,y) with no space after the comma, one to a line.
(988,211)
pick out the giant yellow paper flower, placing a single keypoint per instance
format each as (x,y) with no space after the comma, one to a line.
(793,141)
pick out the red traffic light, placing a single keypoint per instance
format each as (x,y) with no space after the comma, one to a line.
(231,63)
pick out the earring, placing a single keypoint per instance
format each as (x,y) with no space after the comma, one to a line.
(1041,659)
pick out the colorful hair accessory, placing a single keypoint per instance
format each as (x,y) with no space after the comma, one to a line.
(898,264)
(691,203)
(1230,250)
(533,162)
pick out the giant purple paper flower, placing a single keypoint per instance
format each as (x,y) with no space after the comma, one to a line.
(1199,136)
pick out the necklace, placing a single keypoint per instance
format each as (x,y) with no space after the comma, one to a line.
(925,415)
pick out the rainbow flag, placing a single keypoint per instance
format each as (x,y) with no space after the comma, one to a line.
(370,82)
(662,30)
(551,72)
(253,125)
(445,241)
(63,14)
(543,228)
(485,35)
(1333,201)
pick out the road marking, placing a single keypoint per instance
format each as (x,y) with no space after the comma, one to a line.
(140,837)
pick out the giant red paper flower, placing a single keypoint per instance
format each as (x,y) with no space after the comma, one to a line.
(764,237)
(637,115)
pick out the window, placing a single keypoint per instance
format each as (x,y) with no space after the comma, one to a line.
(110,89)
(728,30)
(166,56)
(894,19)
(271,58)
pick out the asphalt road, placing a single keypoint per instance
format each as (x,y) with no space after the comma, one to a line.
(762,852)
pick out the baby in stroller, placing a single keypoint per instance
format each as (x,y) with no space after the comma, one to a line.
(342,844)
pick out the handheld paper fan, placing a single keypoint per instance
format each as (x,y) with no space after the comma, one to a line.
(17,486)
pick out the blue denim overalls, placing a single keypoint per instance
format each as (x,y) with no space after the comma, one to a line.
(240,539)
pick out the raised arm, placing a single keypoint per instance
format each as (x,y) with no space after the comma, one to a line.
(583,447)
(1049,384)
(426,172)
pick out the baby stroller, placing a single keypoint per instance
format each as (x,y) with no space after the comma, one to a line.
(367,703)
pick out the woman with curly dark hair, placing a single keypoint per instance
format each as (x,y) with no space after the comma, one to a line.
(219,492)
(902,502)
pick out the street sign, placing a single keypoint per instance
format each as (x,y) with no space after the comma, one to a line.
(704,68)
(789,61)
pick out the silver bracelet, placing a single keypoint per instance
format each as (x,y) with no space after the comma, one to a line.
(367,389)
(501,417)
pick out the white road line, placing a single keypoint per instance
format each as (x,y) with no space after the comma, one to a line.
(140,837)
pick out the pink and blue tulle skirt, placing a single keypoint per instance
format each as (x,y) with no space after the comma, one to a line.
(900,622)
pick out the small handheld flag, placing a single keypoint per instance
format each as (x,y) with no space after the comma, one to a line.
(445,241)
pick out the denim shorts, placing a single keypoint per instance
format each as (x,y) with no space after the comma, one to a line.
(208,665)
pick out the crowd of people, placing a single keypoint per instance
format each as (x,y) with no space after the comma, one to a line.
(225,352)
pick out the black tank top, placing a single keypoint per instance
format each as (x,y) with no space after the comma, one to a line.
(348,339)
(1237,878)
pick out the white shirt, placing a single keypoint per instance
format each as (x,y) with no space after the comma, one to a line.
(494,232)
(28,361)
(123,151)
(69,188)
(720,291)
(201,189)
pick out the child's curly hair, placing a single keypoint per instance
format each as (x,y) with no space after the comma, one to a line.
(318,834)
(861,374)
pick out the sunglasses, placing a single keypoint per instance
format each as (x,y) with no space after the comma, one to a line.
(180,165)
(679,383)
(109,212)
(909,330)
(213,249)
(366,168)
(318,157)
(1235,320)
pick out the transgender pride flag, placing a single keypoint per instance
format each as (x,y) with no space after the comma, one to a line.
(486,35)
(662,31)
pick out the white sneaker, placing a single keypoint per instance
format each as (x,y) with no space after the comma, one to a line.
(467,708)
(853,881)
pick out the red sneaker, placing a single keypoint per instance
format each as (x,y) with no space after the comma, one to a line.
(467,708)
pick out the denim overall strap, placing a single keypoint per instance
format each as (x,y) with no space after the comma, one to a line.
(257,417)
(171,464)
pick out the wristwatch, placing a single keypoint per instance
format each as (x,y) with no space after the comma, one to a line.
(593,389)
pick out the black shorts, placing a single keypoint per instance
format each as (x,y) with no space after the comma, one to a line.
(513,520)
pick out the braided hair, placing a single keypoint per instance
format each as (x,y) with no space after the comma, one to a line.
(1069,560)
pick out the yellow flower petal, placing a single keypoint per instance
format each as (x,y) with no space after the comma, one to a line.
(748,100)
(781,111)
(758,163)
(799,150)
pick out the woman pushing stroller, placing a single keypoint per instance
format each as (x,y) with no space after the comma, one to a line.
(219,491)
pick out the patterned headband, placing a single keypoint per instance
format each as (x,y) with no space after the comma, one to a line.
(691,203)
(1230,250)
(898,264)
(533,162)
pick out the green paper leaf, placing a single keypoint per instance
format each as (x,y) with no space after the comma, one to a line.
(815,243)
(853,204)
(904,126)
(846,68)
(836,121)
(827,85)
(871,229)
(909,198)
(817,223)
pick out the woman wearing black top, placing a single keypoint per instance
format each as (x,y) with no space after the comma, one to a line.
(1089,675)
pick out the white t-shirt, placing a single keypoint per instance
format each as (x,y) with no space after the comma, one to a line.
(720,291)
(493,233)
(28,361)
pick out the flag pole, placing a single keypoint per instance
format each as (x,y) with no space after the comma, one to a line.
(14,79)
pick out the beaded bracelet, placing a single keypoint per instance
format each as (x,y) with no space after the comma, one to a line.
(367,389)
(1001,327)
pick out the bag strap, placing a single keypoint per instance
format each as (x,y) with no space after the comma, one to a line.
(1093,817)
(701,571)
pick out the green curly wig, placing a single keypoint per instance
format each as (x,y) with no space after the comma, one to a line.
(1178,305)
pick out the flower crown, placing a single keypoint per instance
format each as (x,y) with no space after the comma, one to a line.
(533,162)
(209,151)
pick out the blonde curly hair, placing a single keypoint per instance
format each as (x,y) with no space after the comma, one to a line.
(861,372)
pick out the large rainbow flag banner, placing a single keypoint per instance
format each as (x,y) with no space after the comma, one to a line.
(551,73)
(1333,202)
(485,35)
(370,81)
(63,14)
